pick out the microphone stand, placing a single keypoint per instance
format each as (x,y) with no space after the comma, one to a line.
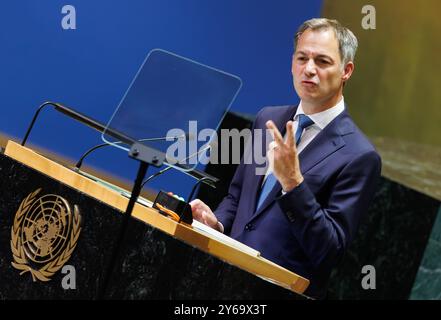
(80,162)
(146,156)
(155,175)
(138,151)
(204,179)
(28,131)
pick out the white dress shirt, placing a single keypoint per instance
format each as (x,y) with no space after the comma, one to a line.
(321,120)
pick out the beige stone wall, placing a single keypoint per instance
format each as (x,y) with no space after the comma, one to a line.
(394,94)
(395,91)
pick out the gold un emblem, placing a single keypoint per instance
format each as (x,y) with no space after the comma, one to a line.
(44,235)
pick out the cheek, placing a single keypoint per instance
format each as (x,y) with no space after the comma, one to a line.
(328,79)
(295,70)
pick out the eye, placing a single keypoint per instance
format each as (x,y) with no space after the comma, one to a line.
(323,61)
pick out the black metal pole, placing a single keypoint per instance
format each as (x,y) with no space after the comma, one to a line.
(143,166)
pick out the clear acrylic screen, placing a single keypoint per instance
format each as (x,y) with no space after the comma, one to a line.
(169,102)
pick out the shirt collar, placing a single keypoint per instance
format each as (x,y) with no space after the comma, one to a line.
(322,119)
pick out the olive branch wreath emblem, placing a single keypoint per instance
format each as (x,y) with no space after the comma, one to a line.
(20,260)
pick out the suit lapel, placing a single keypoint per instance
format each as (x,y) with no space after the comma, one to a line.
(322,146)
(328,141)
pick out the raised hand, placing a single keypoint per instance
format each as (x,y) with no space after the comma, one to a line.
(283,157)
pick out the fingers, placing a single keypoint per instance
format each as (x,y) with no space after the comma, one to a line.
(198,204)
(195,203)
(197,208)
(290,141)
(275,133)
(201,211)
(269,124)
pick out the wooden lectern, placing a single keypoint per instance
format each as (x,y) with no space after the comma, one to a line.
(58,228)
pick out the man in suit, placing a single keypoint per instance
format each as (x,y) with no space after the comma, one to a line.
(304,212)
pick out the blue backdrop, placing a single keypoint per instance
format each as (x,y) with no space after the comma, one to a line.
(90,68)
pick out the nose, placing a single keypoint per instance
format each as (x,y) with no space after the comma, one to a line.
(310,68)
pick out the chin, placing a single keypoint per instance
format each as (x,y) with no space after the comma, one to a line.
(307,97)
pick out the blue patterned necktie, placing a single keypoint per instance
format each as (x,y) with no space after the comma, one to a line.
(268,185)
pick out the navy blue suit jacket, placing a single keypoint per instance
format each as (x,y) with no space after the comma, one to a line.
(308,229)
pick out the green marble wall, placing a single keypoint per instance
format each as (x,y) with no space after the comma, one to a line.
(427,284)
(396,104)
(393,238)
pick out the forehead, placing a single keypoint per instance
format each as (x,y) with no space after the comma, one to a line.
(318,42)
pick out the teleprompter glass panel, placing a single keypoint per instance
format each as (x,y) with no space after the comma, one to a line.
(173,105)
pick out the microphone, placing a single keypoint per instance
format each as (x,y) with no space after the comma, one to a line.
(92,123)
(172,138)
(120,137)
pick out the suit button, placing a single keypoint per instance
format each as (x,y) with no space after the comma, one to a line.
(249,227)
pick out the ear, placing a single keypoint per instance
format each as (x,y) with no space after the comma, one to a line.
(347,71)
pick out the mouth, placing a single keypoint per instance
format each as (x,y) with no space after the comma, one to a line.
(309,83)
